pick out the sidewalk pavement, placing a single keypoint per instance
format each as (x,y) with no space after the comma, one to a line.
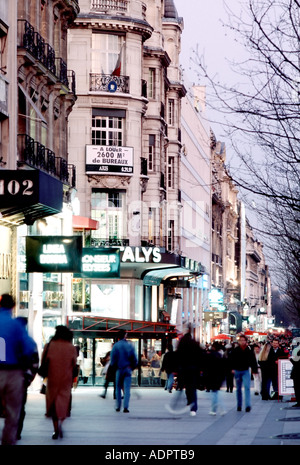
(94,421)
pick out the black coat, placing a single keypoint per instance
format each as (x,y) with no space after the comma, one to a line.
(243,359)
(215,370)
(169,363)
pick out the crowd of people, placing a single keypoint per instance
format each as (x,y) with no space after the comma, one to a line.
(234,365)
(184,370)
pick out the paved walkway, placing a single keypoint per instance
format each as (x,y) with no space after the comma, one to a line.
(94,421)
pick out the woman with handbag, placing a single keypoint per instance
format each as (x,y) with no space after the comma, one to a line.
(58,360)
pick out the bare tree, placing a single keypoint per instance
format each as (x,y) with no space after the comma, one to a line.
(261,113)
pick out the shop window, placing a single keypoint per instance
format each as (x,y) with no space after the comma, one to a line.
(81,295)
(110,300)
(53,294)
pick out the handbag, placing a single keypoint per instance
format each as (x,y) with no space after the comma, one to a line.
(43,369)
(43,389)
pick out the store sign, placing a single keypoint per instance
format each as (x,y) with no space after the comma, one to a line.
(56,254)
(100,263)
(215,297)
(24,188)
(107,159)
(141,254)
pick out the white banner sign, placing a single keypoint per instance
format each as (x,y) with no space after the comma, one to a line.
(285,383)
(109,159)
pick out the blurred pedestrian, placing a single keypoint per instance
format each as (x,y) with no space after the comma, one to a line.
(215,376)
(60,357)
(16,351)
(169,367)
(243,360)
(189,365)
(109,372)
(257,376)
(29,374)
(264,368)
(295,373)
(124,361)
(228,372)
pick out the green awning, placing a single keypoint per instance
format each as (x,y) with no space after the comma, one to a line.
(155,277)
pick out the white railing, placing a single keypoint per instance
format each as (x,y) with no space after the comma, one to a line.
(109,5)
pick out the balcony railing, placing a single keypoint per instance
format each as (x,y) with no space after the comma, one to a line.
(108,242)
(109,5)
(34,43)
(109,83)
(36,155)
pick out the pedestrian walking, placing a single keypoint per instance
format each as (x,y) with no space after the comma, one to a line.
(295,373)
(264,368)
(16,351)
(257,376)
(59,357)
(169,367)
(189,359)
(124,361)
(29,374)
(110,375)
(228,372)
(243,360)
(215,376)
(276,352)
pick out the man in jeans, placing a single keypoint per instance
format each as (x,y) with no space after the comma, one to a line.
(16,350)
(124,360)
(242,360)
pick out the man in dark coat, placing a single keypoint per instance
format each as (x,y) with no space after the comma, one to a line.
(189,361)
(242,360)
(276,352)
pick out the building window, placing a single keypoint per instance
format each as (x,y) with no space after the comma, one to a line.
(151,83)
(107,130)
(108,208)
(151,224)
(106,50)
(171,235)
(171,112)
(151,152)
(171,163)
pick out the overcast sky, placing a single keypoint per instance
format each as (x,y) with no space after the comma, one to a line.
(206,29)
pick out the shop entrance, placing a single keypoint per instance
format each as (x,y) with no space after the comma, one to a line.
(95,336)
(93,354)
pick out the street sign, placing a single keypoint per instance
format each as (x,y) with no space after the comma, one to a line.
(285,383)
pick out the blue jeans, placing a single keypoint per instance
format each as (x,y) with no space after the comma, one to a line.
(170,381)
(216,401)
(243,378)
(123,381)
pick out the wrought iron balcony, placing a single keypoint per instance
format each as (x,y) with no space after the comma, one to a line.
(109,83)
(108,242)
(35,44)
(36,155)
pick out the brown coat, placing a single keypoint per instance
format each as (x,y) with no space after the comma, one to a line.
(62,356)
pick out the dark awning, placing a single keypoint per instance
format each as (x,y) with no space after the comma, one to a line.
(27,195)
(155,277)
